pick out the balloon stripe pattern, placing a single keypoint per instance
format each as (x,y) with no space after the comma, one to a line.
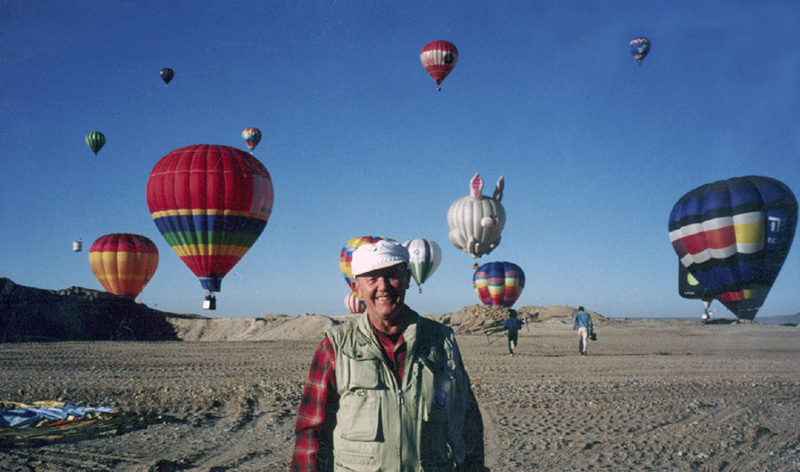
(425,257)
(733,237)
(123,263)
(211,203)
(95,140)
(354,304)
(439,58)
(499,283)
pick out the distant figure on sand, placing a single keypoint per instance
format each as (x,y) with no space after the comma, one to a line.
(513,325)
(583,323)
(387,390)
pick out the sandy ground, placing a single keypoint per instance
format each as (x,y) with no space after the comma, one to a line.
(652,395)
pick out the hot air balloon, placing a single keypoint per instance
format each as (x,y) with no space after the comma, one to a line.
(476,221)
(346,254)
(499,283)
(251,136)
(354,304)
(733,237)
(689,287)
(210,203)
(439,58)
(77,245)
(639,48)
(123,263)
(166,75)
(425,256)
(95,140)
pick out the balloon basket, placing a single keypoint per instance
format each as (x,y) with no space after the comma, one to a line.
(210,303)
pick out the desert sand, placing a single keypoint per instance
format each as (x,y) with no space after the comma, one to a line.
(652,395)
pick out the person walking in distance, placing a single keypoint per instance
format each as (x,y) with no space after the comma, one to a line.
(582,322)
(513,325)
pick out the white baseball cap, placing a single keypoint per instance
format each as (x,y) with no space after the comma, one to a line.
(379,255)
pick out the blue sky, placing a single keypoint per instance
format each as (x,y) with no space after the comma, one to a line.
(595,150)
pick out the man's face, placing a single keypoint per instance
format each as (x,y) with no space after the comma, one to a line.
(383,291)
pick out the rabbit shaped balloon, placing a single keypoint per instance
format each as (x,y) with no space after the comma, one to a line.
(476,221)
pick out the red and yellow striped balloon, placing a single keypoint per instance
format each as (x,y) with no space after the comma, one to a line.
(211,204)
(123,263)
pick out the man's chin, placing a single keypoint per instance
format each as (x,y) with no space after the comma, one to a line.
(388,309)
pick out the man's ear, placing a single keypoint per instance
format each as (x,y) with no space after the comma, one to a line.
(354,285)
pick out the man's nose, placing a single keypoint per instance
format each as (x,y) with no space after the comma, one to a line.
(383,282)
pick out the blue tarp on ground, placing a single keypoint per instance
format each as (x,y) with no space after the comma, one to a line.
(22,415)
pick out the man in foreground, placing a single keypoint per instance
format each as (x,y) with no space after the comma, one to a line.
(387,390)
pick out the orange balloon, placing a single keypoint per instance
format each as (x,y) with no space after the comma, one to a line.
(123,263)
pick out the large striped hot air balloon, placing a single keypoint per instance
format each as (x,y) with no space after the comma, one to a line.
(123,263)
(210,203)
(499,283)
(424,257)
(346,254)
(476,220)
(439,58)
(733,236)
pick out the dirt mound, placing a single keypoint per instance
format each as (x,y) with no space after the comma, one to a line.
(543,313)
(478,319)
(76,314)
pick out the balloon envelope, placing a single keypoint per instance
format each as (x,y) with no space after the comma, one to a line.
(424,257)
(498,283)
(210,203)
(476,221)
(354,304)
(733,237)
(95,140)
(439,58)
(251,136)
(639,48)
(166,75)
(123,263)
(689,287)
(346,254)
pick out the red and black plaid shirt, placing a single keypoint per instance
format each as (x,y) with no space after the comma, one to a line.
(317,412)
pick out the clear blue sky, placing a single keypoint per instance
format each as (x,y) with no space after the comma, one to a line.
(595,150)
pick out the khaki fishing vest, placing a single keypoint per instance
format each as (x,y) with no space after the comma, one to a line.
(383,426)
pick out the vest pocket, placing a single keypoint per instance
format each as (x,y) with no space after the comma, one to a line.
(359,415)
(344,461)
